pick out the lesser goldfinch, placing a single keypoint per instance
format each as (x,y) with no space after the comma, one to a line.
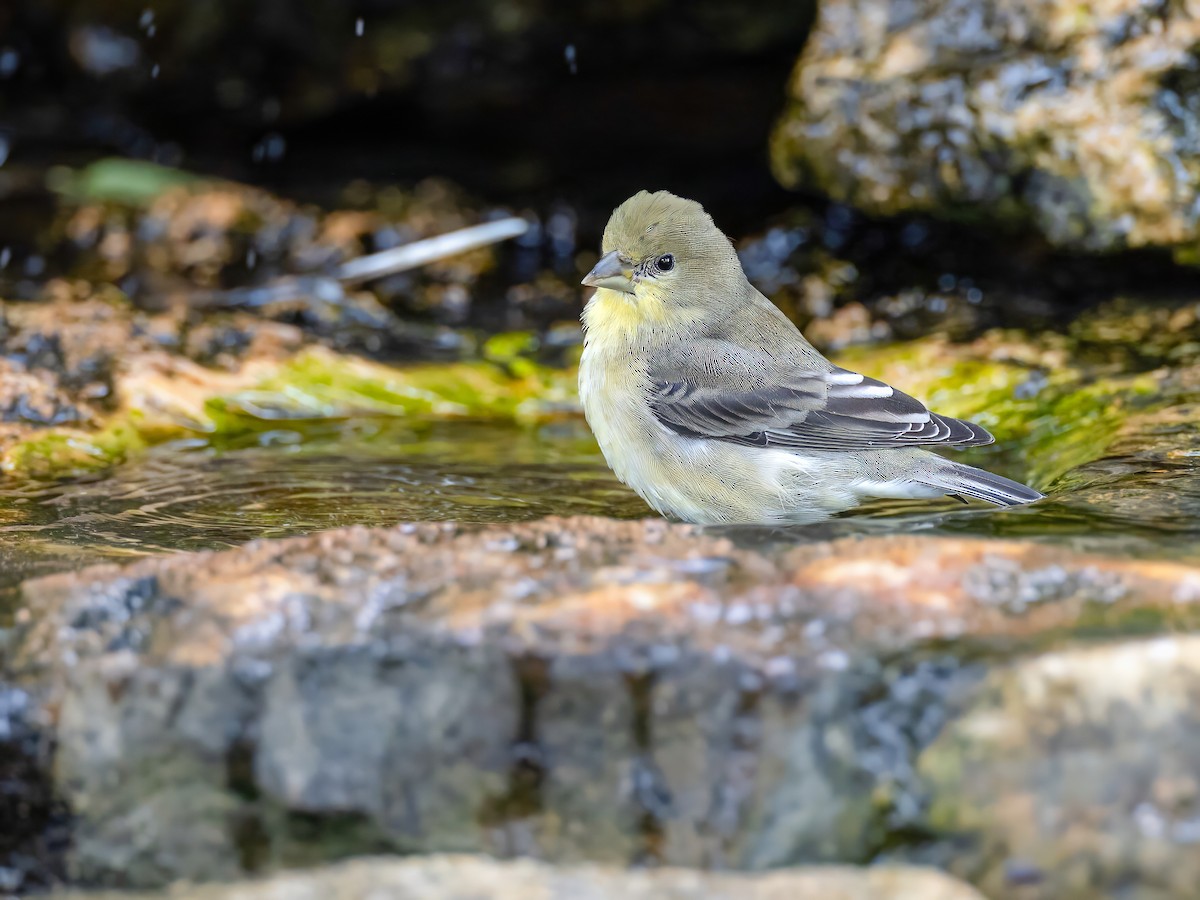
(709,402)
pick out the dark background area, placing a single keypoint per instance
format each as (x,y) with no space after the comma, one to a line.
(521,102)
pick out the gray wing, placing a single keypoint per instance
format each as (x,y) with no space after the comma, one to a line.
(833,410)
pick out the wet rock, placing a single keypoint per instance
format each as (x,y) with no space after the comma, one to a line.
(34,825)
(28,399)
(87,380)
(575,689)
(75,367)
(172,237)
(475,878)
(1083,125)
(1027,773)
(79,333)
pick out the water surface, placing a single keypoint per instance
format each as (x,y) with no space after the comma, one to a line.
(199,495)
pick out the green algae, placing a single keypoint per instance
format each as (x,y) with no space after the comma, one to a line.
(1049,413)
(71,453)
(126,182)
(1048,417)
(322,385)
(315,385)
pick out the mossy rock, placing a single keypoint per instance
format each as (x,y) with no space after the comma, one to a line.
(171,398)
(1047,414)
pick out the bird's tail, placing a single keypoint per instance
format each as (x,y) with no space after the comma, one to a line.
(956,478)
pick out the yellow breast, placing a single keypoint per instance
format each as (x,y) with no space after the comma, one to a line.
(612,380)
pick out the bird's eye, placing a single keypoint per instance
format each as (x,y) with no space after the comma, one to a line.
(665,263)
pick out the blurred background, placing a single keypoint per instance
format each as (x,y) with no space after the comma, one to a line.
(519,102)
(993,205)
(561,112)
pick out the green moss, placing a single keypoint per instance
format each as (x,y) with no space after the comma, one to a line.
(68,453)
(1186,255)
(1076,424)
(321,385)
(316,385)
(1050,418)
(512,346)
(128,182)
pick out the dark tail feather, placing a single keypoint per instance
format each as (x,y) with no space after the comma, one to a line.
(955,478)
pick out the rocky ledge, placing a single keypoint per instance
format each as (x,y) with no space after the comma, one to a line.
(619,692)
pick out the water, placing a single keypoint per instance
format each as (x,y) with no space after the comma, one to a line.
(201,495)
(197,495)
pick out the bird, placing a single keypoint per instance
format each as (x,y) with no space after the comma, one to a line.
(708,401)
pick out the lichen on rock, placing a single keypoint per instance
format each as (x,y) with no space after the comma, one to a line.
(1080,120)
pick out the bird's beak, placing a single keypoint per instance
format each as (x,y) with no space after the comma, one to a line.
(614,272)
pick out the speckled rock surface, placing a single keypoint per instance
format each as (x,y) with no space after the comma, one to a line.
(1078,118)
(476,878)
(1031,769)
(570,689)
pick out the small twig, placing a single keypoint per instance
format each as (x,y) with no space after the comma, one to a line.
(420,253)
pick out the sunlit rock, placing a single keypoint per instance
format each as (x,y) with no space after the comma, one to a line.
(1077,119)
(571,689)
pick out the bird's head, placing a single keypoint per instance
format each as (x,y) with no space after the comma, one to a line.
(663,254)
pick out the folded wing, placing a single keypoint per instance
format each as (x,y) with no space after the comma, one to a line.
(834,410)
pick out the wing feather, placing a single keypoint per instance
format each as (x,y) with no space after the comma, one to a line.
(834,410)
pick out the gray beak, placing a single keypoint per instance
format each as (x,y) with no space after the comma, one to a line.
(614,272)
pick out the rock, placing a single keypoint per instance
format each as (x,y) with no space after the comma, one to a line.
(476,878)
(572,690)
(33,399)
(1079,764)
(1080,123)
(218,244)
(85,381)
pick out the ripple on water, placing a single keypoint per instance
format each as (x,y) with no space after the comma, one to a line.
(195,496)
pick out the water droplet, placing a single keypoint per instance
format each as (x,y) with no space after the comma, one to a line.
(569,55)
(270,149)
(4,149)
(974,295)
(10,59)
(5,256)
(251,258)
(146,20)
(358,26)
(560,229)
(154,70)
(102,51)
